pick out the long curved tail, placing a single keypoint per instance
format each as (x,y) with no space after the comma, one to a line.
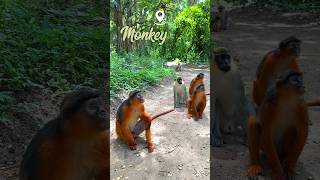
(161,114)
(315,102)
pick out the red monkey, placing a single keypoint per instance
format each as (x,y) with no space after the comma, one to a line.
(195,82)
(128,115)
(274,63)
(73,146)
(281,127)
(197,102)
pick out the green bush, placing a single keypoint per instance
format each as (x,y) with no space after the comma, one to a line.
(6,101)
(132,71)
(190,35)
(48,45)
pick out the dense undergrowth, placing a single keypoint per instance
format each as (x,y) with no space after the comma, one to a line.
(134,71)
(50,44)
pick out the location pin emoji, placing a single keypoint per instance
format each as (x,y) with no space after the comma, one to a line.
(160,15)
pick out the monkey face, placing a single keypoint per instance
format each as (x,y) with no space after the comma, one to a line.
(179,80)
(294,47)
(296,82)
(95,111)
(200,87)
(292,44)
(200,76)
(138,98)
(292,83)
(223,62)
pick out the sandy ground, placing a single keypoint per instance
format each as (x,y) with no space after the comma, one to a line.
(182,144)
(250,38)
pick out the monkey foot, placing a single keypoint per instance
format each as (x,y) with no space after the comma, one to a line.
(133,147)
(291,177)
(189,116)
(278,177)
(291,174)
(254,171)
(150,147)
(217,141)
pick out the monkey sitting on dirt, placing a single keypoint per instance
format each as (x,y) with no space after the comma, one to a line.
(280,128)
(132,119)
(73,146)
(197,101)
(231,106)
(180,93)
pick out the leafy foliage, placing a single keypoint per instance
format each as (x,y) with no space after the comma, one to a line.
(140,64)
(6,101)
(187,28)
(51,44)
(133,71)
(192,33)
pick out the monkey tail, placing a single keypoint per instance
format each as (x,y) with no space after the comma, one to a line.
(161,114)
(315,102)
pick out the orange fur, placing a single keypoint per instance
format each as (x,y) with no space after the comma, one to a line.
(279,134)
(197,104)
(73,146)
(194,82)
(275,62)
(132,112)
(66,158)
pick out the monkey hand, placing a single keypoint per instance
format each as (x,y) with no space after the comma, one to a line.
(133,147)
(189,115)
(150,147)
(217,141)
(147,118)
(196,116)
(289,170)
(254,171)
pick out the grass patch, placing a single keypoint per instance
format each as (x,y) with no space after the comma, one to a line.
(134,71)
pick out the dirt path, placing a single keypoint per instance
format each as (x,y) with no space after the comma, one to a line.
(182,144)
(249,39)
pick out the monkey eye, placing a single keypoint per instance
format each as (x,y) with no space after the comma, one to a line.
(139,96)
